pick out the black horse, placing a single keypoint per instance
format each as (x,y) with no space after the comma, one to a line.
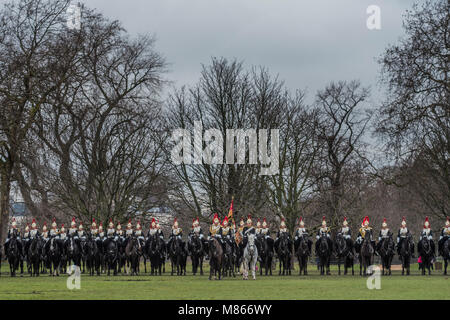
(284,254)
(324,254)
(196,251)
(54,255)
(265,254)
(425,250)
(13,255)
(155,252)
(73,251)
(344,251)
(111,256)
(366,253)
(121,259)
(215,258)
(387,251)
(92,254)
(228,260)
(177,256)
(446,254)
(132,254)
(406,252)
(34,255)
(302,251)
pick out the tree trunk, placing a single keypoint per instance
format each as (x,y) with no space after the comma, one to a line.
(5,188)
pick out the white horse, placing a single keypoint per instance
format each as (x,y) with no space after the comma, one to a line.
(250,257)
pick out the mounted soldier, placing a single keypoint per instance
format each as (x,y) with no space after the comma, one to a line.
(215,230)
(226,231)
(403,233)
(26,238)
(129,230)
(365,228)
(300,232)
(119,231)
(265,232)
(177,232)
(283,230)
(73,228)
(324,231)
(152,230)
(94,229)
(346,233)
(34,232)
(248,229)
(383,235)
(62,233)
(45,235)
(428,233)
(101,233)
(54,232)
(159,231)
(80,232)
(26,234)
(139,234)
(241,226)
(13,232)
(258,227)
(111,232)
(445,235)
(196,229)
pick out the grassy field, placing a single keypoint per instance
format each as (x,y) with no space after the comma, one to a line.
(197,287)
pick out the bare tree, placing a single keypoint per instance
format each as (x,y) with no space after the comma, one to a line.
(99,132)
(28,62)
(226,97)
(342,125)
(414,121)
(290,190)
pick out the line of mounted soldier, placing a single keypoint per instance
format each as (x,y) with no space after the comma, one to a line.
(101,251)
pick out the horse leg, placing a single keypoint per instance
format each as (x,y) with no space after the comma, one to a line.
(280,268)
(339,266)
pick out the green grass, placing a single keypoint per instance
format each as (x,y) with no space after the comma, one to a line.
(197,287)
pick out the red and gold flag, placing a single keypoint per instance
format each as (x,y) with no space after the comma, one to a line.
(230,212)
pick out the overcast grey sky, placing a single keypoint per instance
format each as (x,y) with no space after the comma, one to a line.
(307,43)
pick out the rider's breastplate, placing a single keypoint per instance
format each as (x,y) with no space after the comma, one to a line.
(345,230)
(447,231)
(225,231)
(214,229)
(264,231)
(403,232)
(384,233)
(324,230)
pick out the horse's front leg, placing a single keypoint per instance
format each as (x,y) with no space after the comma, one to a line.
(339,266)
